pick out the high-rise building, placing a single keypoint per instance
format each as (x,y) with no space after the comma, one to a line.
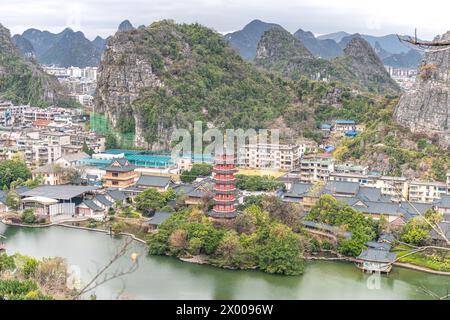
(224,187)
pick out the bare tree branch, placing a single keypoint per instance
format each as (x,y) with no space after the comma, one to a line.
(102,276)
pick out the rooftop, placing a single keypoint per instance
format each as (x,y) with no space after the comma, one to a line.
(377,256)
(159,218)
(153,181)
(60,192)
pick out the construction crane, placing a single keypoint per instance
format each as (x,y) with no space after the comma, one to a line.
(427,46)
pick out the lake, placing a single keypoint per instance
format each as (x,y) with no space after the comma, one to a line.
(168,278)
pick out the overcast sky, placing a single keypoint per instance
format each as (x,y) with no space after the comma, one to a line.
(101,17)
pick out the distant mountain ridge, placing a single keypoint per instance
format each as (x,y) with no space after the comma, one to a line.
(65,49)
(359,66)
(125,26)
(246,41)
(326,46)
(327,49)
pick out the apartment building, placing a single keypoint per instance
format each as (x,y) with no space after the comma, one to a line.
(93,140)
(351,168)
(307,146)
(362,179)
(269,156)
(41,153)
(426,192)
(394,187)
(317,167)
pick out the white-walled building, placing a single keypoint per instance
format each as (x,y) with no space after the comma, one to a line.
(269,156)
(426,192)
(316,167)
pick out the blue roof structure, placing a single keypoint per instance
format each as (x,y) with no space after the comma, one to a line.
(351,133)
(94,162)
(345,122)
(124,151)
(150,161)
(325,126)
(329,149)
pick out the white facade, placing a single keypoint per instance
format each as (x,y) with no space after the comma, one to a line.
(316,168)
(426,192)
(269,156)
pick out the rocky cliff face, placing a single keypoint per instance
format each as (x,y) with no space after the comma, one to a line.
(426,109)
(25,47)
(123,73)
(366,68)
(21,80)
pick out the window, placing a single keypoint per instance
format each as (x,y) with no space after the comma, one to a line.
(115,183)
(115,174)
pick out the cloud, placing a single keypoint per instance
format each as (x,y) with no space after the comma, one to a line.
(101,17)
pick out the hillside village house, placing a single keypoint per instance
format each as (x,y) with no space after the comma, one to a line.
(119,174)
(344,125)
(52,174)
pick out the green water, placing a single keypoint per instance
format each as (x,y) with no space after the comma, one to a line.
(168,278)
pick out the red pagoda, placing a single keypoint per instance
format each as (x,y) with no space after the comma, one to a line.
(224,187)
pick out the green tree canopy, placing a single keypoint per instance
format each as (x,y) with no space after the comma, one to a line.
(13,170)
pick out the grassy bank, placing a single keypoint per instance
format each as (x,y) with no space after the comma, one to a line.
(432,260)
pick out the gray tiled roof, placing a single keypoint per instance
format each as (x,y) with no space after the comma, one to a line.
(159,218)
(371,194)
(377,256)
(102,199)
(153,181)
(409,212)
(444,202)
(298,190)
(342,187)
(388,237)
(92,205)
(373,207)
(378,245)
(117,195)
(59,192)
(122,168)
(445,226)
(20,190)
(190,190)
